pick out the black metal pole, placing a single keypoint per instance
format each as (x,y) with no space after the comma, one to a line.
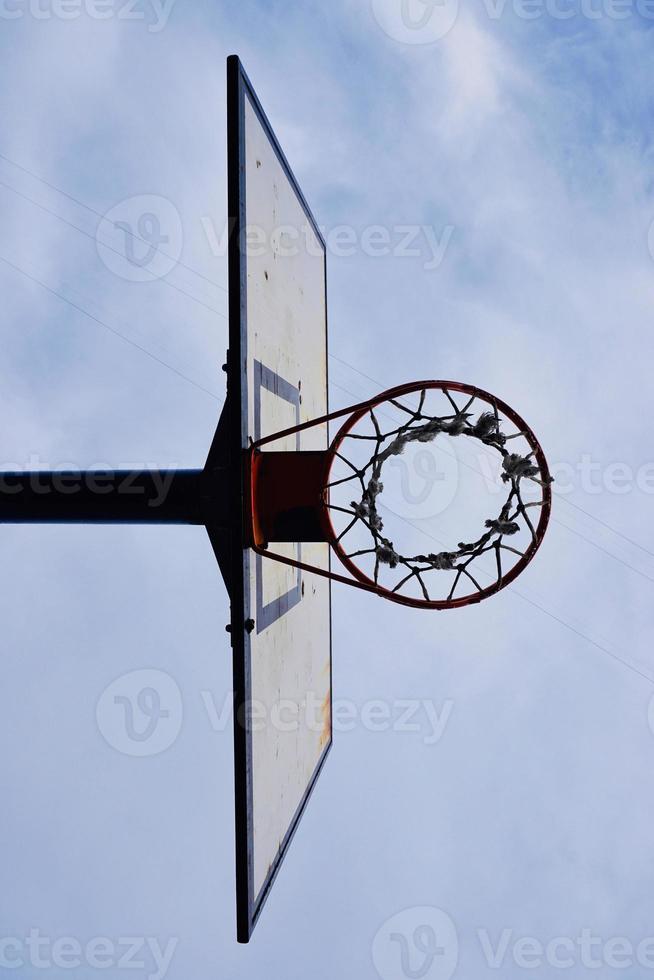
(112,497)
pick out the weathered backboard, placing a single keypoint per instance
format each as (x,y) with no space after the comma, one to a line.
(281,617)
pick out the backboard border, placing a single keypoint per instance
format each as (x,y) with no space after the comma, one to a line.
(249,905)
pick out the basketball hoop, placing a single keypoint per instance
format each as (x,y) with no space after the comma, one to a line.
(291,496)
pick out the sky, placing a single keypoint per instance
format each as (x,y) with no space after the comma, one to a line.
(497,820)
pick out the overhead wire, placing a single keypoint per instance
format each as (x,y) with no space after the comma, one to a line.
(213,395)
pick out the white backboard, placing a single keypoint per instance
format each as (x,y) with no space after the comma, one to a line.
(282,669)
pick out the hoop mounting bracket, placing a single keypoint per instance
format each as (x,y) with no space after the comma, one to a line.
(287,496)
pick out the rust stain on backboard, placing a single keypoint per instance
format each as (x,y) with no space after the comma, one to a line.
(326,712)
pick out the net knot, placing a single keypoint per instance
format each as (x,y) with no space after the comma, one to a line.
(487,427)
(516,467)
(387,554)
(502,526)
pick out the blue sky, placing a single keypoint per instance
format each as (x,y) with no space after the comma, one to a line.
(521,146)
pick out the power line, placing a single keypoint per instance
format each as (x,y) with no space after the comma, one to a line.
(111,329)
(604,649)
(547,612)
(94,238)
(99,214)
(175,355)
(569,503)
(180,374)
(554,520)
(333,356)
(200,387)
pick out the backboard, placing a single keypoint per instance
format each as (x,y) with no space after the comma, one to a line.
(277,377)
